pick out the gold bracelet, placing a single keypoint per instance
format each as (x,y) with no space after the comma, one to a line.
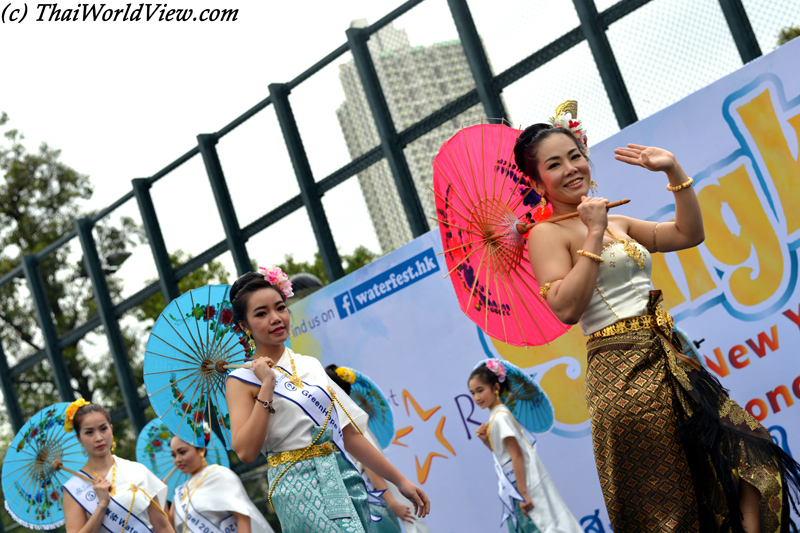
(676,188)
(594,257)
(655,243)
(544,289)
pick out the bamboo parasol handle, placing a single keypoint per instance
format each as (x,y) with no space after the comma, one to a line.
(58,465)
(170,473)
(523,228)
(220,367)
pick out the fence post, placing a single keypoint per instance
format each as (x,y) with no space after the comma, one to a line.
(233,233)
(166,276)
(741,30)
(30,265)
(10,394)
(357,39)
(476,57)
(105,308)
(606,62)
(279,95)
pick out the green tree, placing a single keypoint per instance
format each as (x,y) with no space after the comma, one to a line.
(213,272)
(361,256)
(40,199)
(787,34)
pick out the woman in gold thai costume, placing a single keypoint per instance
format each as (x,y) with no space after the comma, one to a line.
(673,451)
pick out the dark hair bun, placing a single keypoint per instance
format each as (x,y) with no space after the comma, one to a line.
(525,138)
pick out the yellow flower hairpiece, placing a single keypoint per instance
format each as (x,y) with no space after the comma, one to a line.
(70,412)
(347,375)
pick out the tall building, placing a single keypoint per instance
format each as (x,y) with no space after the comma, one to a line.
(416,81)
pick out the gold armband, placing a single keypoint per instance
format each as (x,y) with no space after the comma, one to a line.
(594,257)
(676,188)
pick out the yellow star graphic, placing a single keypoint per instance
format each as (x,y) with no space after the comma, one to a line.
(424,470)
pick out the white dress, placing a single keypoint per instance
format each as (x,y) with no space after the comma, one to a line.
(216,492)
(290,427)
(549,513)
(130,473)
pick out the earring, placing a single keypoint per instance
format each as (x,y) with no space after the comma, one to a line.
(542,203)
(203,455)
(251,341)
(593,186)
(83,451)
(113,446)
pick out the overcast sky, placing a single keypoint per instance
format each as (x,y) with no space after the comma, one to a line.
(124,99)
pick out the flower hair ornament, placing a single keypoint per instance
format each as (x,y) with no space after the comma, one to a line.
(346,375)
(497,367)
(69,414)
(567,118)
(277,278)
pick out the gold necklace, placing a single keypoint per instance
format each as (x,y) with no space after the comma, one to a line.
(97,476)
(293,378)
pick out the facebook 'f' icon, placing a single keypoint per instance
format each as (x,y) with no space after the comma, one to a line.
(344,304)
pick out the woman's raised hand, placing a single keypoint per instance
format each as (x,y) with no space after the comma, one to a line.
(649,157)
(594,212)
(262,368)
(101,488)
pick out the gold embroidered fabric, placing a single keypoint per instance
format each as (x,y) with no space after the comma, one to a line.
(316,450)
(640,390)
(631,248)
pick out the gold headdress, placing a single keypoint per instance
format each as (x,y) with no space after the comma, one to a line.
(346,375)
(567,118)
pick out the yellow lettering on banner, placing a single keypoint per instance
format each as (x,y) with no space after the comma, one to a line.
(663,280)
(760,119)
(694,268)
(736,190)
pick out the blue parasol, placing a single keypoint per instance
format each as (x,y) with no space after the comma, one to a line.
(189,352)
(687,346)
(526,400)
(372,401)
(39,460)
(153,451)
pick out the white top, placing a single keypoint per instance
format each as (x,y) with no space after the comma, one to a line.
(290,427)
(624,285)
(131,473)
(216,492)
(549,513)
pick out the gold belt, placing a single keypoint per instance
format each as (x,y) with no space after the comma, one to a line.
(660,320)
(316,450)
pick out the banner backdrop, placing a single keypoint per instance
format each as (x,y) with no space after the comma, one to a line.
(397,320)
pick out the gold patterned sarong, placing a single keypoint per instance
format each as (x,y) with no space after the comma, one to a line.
(670,446)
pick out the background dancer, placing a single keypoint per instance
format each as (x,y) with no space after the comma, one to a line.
(397,514)
(542,508)
(673,451)
(303,424)
(214,496)
(127,493)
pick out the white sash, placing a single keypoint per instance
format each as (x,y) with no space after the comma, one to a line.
(506,490)
(195,520)
(312,399)
(83,493)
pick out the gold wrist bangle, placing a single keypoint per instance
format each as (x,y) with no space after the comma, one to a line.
(594,257)
(676,188)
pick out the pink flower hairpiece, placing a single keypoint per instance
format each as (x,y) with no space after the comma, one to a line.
(575,126)
(497,367)
(277,278)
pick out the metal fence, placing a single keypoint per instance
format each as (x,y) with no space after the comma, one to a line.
(401,102)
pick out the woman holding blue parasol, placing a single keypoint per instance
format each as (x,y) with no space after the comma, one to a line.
(287,408)
(110,493)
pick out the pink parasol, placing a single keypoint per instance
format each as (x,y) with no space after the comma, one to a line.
(485,208)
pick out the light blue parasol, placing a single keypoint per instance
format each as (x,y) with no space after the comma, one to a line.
(189,352)
(688,347)
(153,451)
(369,397)
(526,400)
(40,459)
